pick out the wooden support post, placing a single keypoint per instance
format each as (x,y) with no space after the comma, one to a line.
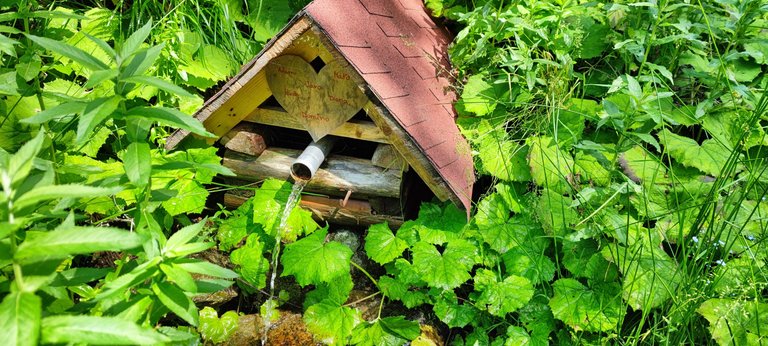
(245,138)
(335,177)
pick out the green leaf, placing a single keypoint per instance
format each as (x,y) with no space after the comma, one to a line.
(20,318)
(551,167)
(501,231)
(70,240)
(331,323)
(46,193)
(268,204)
(235,228)
(555,213)
(215,329)
(160,84)
(437,225)
(735,322)
(480,97)
(179,276)
(133,42)
(389,331)
(56,112)
(584,260)
(20,164)
(502,157)
(182,237)
(140,62)
(445,270)
(135,276)
(95,113)
(530,264)
(517,336)
(97,330)
(28,66)
(311,261)
(138,163)
(650,275)
(382,245)
(250,262)
(175,300)
(99,77)
(190,195)
(710,157)
(501,297)
(453,314)
(170,117)
(641,166)
(591,310)
(205,268)
(76,54)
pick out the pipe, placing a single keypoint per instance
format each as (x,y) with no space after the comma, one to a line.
(305,166)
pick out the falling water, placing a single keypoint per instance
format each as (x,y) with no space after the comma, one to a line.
(293,198)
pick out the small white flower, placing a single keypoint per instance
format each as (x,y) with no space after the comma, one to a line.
(695,239)
(720,262)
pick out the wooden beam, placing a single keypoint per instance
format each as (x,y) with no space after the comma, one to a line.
(363,130)
(353,213)
(338,174)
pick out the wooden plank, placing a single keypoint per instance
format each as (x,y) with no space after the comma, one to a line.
(248,89)
(336,176)
(364,130)
(245,138)
(353,213)
(386,156)
(321,101)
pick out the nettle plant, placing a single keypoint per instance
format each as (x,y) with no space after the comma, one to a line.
(92,162)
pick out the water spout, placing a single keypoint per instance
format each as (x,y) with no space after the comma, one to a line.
(311,158)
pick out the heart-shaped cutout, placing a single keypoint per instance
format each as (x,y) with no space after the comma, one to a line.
(322,101)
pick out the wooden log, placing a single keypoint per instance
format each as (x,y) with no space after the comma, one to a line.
(245,138)
(336,176)
(353,213)
(364,130)
(386,156)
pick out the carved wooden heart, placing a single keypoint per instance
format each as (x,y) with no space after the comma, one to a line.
(323,101)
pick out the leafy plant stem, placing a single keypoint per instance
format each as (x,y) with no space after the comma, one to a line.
(365,272)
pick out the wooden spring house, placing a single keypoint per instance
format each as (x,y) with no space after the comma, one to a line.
(374,74)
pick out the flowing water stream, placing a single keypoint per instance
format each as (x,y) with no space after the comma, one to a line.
(270,304)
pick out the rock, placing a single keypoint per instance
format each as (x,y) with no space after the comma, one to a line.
(369,308)
(248,331)
(288,330)
(350,240)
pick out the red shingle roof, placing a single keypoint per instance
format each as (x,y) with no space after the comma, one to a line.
(402,55)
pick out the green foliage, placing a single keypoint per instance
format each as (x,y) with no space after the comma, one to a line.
(217,329)
(91,178)
(311,260)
